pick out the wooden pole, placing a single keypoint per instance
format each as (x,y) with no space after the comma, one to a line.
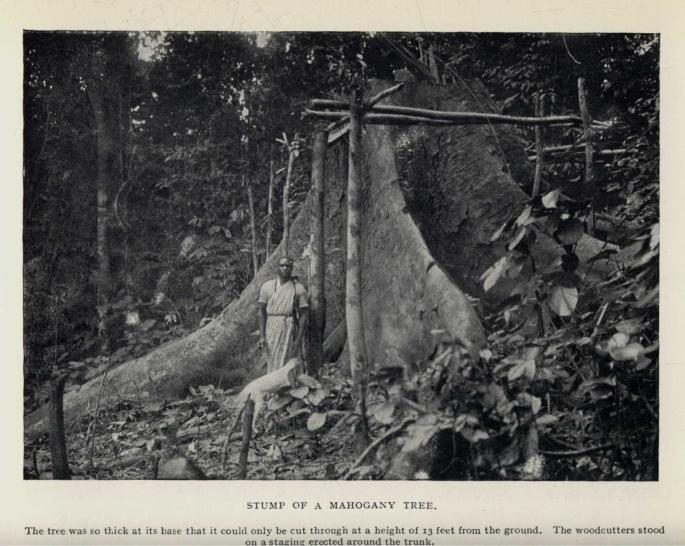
(58,442)
(317,300)
(269,205)
(292,152)
(588,138)
(539,146)
(248,417)
(353,293)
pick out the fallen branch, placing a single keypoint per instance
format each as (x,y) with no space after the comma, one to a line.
(95,414)
(373,445)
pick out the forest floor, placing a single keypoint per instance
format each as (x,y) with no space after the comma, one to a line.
(130,436)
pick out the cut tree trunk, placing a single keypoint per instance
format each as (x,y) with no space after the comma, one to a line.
(427,225)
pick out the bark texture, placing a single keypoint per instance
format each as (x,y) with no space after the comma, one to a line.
(317,299)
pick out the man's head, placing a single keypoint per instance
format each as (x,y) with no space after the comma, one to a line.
(285,268)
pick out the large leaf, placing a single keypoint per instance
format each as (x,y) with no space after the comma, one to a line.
(299,392)
(632,351)
(563,300)
(279,401)
(619,339)
(493,273)
(525,217)
(316,421)
(570,231)
(524,367)
(317,396)
(309,381)
(549,200)
(629,326)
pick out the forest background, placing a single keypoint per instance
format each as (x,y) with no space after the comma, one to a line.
(196,133)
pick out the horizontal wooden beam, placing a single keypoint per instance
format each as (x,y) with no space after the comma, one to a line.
(404,115)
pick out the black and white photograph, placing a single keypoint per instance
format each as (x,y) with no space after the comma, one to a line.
(341,255)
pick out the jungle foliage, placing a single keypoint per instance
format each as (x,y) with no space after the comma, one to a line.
(567,386)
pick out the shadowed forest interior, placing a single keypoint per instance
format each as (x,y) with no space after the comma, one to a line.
(488,306)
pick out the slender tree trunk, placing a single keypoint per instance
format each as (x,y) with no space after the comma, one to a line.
(269,205)
(253,226)
(539,146)
(317,301)
(353,288)
(108,99)
(106,158)
(58,443)
(589,146)
(286,198)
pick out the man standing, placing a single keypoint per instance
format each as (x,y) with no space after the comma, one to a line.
(283,304)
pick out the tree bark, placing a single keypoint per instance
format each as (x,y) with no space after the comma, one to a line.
(107,101)
(353,289)
(58,443)
(317,266)
(292,154)
(269,206)
(539,146)
(588,137)
(253,224)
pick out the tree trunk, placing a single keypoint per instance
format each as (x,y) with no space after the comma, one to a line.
(253,225)
(107,100)
(353,289)
(588,137)
(317,266)
(105,164)
(539,146)
(292,154)
(269,206)
(426,249)
(58,444)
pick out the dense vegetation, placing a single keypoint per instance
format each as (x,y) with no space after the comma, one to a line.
(197,125)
